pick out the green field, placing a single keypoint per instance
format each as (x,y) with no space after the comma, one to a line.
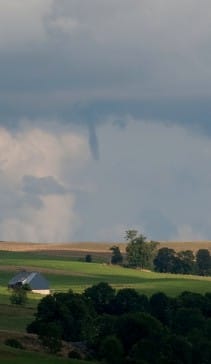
(64,274)
(14,318)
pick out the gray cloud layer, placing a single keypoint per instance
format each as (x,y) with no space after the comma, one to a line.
(73,70)
(82,60)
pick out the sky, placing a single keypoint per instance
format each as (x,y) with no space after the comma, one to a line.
(105,119)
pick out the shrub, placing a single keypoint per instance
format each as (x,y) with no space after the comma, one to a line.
(116,257)
(73,354)
(50,337)
(26,287)
(111,350)
(88,258)
(18,296)
(14,343)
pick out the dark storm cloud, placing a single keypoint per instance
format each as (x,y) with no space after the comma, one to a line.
(111,58)
(93,141)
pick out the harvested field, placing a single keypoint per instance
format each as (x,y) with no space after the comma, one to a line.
(96,248)
(186,245)
(85,247)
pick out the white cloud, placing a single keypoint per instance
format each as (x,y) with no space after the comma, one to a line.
(150,168)
(45,156)
(150,176)
(56,221)
(187,233)
(117,232)
(40,153)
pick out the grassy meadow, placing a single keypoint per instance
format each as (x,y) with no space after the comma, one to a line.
(14,318)
(64,274)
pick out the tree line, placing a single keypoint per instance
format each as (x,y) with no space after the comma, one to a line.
(184,262)
(142,253)
(126,327)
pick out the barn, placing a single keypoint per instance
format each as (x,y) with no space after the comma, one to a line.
(35,280)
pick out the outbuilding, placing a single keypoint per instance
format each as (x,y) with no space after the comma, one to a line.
(34,280)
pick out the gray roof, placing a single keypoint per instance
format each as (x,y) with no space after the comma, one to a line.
(34,279)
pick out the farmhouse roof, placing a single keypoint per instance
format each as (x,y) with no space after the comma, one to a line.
(34,279)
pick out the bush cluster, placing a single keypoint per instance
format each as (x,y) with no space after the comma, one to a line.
(14,343)
(128,328)
(184,262)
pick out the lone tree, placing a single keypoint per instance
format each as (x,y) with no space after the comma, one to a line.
(140,251)
(19,296)
(88,258)
(116,257)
